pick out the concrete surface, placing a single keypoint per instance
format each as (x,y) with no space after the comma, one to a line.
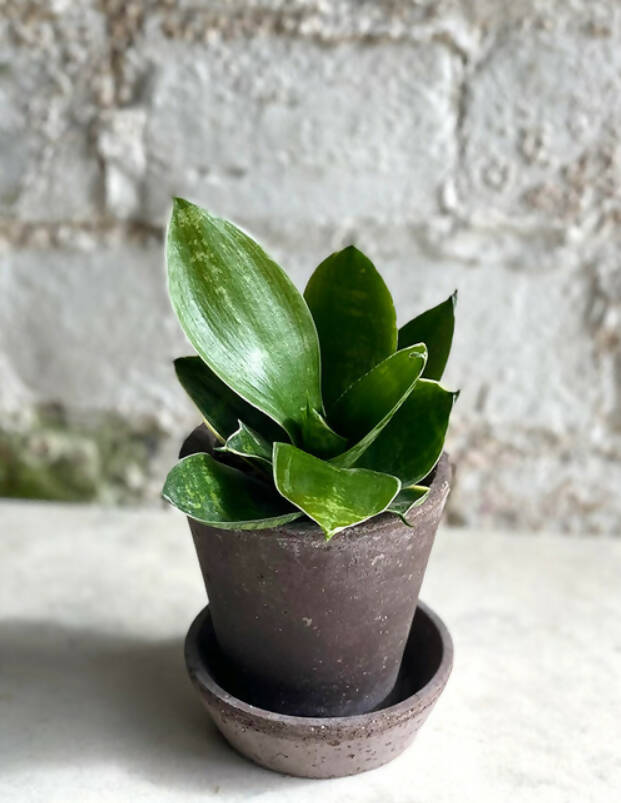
(462,143)
(95,705)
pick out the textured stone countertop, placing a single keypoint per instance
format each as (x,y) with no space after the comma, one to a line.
(95,704)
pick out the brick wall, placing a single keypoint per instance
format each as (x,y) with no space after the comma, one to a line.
(470,144)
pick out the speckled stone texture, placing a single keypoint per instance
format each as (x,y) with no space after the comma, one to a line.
(462,143)
(316,628)
(328,747)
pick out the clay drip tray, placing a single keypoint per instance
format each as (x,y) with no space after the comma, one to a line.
(324,747)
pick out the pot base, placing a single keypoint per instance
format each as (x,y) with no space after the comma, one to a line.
(325,747)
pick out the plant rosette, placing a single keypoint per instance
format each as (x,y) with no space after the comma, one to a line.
(315,486)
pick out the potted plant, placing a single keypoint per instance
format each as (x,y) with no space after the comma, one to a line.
(315,486)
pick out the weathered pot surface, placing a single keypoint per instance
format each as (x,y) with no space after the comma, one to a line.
(316,628)
(327,747)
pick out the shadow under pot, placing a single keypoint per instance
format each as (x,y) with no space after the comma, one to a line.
(310,627)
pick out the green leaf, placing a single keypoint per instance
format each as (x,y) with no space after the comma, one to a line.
(411,443)
(367,406)
(247,443)
(355,319)
(434,328)
(220,407)
(406,499)
(224,497)
(335,498)
(243,316)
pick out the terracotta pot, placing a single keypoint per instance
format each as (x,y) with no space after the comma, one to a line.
(314,628)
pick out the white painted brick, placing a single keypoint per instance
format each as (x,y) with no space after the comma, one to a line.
(461,143)
(93,330)
(541,131)
(270,127)
(50,64)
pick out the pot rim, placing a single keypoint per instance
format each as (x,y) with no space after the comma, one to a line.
(424,696)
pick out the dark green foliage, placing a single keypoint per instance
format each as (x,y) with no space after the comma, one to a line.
(434,328)
(355,319)
(337,416)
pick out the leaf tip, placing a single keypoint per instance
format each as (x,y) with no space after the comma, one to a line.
(180,203)
(184,212)
(454,295)
(165,492)
(329,533)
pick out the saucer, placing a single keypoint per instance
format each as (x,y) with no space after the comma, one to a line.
(324,747)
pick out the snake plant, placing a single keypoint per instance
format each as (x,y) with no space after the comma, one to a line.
(321,407)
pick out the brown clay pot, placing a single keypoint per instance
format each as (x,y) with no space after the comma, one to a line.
(314,628)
